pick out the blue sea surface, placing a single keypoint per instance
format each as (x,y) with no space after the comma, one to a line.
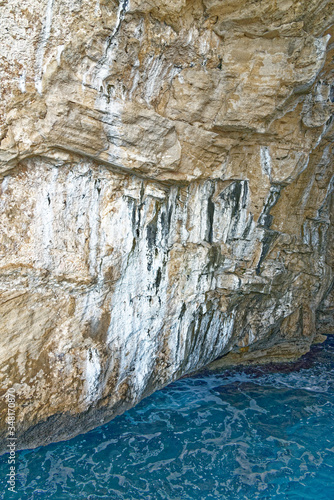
(246,433)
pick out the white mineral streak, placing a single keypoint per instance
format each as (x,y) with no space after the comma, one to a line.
(251,337)
(43,40)
(141,295)
(60,49)
(234,199)
(44,216)
(4,185)
(94,223)
(92,371)
(156,72)
(107,103)
(22,82)
(97,10)
(204,43)
(321,45)
(84,79)
(105,65)
(138,301)
(136,80)
(265,161)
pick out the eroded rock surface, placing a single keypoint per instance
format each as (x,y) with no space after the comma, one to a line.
(166,197)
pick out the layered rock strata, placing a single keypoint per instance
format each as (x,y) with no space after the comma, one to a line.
(166,197)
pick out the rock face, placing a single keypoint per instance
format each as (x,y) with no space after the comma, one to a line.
(166,197)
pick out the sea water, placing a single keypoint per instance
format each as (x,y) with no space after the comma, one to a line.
(247,433)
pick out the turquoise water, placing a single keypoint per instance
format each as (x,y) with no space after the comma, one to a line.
(244,434)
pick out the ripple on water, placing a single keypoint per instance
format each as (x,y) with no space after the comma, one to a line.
(252,433)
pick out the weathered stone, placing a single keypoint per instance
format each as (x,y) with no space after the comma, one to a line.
(166,197)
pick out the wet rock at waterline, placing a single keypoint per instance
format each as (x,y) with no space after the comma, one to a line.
(166,197)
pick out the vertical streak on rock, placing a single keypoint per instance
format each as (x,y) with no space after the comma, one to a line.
(105,64)
(94,216)
(93,370)
(22,82)
(43,40)
(211,211)
(97,10)
(265,161)
(44,213)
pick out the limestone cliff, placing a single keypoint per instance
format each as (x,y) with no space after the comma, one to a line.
(166,196)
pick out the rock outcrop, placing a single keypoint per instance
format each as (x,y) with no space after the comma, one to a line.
(166,197)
